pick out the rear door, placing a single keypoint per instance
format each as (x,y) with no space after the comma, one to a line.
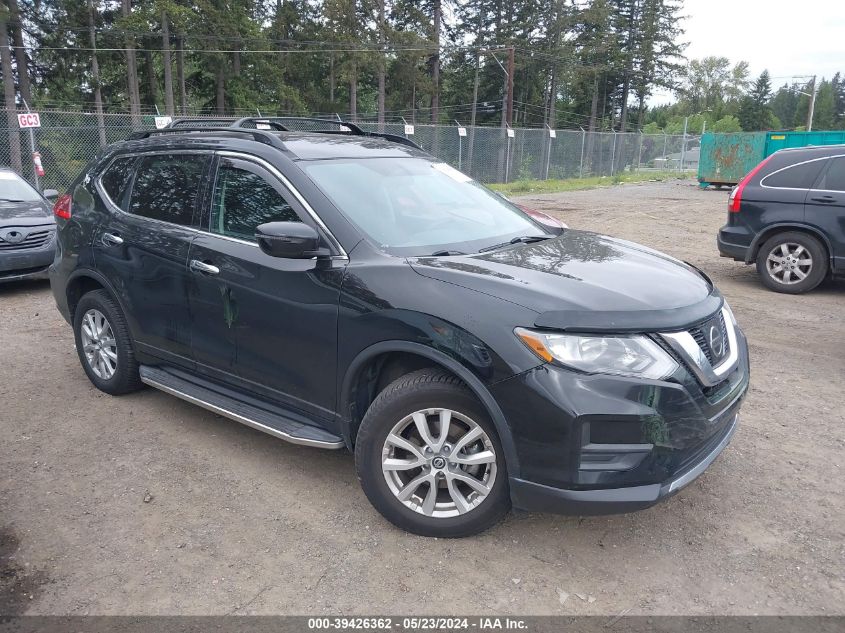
(825,208)
(267,324)
(142,247)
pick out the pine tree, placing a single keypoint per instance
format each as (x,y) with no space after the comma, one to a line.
(754,111)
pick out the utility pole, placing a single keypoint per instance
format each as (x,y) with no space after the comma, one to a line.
(812,104)
(471,146)
(510,86)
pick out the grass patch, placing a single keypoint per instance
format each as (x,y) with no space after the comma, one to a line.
(520,187)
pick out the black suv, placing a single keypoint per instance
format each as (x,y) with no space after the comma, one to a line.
(788,216)
(346,289)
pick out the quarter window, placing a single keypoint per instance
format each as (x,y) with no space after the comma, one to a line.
(244,198)
(167,188)
(115,180)
(834,177)
(799,176)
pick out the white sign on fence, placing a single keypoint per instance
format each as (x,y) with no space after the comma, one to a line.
(29,119)
(409,130)
(462,131)
(163,121)
(510,133)
(552,134)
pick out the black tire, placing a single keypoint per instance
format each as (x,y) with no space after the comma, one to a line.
(426,389)
(815,274)
(126,377)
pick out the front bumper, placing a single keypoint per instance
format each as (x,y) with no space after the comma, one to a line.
(533,497)
(33,264)
(600,444)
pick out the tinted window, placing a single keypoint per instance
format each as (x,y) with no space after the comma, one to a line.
(797,177)
(167,187)
(834,178)
(244,198)
(115,180)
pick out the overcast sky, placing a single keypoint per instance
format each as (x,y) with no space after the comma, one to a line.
(806,37)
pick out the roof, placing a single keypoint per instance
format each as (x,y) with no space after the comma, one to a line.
(298,145)
(818,149)
(315,146)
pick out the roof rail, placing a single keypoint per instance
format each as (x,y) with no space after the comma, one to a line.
(257,135)
(200,121)
(273,123)
(342,127)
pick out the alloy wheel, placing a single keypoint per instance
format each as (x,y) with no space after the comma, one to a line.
(789,263)
(440,474)
(99,344)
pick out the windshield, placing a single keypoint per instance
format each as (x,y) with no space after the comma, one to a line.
(413,206)
(13,188)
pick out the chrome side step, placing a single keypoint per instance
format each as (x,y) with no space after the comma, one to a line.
(260,419)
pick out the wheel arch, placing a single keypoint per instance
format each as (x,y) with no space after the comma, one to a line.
(783,227)
(428,357)
(85,280)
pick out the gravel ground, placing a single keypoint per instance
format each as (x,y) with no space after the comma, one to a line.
(147,505)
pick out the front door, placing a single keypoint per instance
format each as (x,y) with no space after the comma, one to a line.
(824,208)
(265,323)
(143,247)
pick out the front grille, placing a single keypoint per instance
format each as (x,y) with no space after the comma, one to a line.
(35,239)
(701,339)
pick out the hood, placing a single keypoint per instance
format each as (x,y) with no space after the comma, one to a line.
(584,281)
(30,213)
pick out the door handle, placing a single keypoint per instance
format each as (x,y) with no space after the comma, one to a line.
(112,239)
(825,199)
(201,267)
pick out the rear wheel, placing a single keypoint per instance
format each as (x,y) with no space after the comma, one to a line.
(792,262)
(103,344)
(429,459)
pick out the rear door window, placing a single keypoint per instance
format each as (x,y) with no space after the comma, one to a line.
(834,177)
(801,176)
(115,180)
(168,187)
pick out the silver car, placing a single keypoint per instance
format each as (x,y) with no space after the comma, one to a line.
(27,229)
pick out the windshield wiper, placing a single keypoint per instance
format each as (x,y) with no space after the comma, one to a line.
(522,239)
(444,252)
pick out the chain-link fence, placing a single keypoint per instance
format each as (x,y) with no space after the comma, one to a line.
(66,142)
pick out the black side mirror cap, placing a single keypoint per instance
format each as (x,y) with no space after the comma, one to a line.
(290,240)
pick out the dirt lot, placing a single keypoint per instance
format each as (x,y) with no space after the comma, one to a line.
(237,522)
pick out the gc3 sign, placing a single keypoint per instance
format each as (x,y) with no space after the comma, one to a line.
(29,119)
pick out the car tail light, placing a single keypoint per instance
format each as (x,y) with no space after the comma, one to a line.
(62,207)
(735,199)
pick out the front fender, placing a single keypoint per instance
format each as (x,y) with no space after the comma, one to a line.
(448,362)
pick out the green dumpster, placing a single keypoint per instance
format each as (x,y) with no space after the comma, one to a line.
(726,158)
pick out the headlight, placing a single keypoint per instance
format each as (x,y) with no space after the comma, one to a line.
(634,355)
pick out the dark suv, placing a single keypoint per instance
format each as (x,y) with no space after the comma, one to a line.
(344,289)
(788,216)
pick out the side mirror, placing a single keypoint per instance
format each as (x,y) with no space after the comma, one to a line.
(290,240)
(50,194)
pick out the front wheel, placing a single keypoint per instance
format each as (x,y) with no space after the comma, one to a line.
(792,262)
(429,459)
